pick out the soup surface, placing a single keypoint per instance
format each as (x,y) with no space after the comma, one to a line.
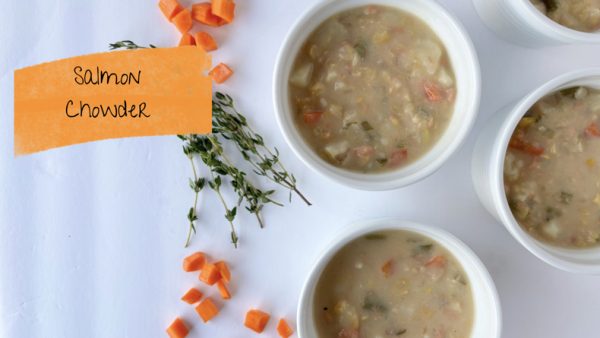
(393,284)
(552,169)
(372,89)
(581,15)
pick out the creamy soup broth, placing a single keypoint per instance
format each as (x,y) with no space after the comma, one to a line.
(581,15)
(372,89)
(552,169)
(393,284)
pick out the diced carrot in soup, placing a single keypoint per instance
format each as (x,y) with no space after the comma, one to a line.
(398,157)
(592,130)
(387,268)
(433,92)
(312,117)
(436,262)
(519,144)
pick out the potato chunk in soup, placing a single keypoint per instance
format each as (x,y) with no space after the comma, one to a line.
(393,284)
(552,169)
(372,89)
(580,15)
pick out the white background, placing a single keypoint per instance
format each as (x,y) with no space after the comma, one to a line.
(91,236)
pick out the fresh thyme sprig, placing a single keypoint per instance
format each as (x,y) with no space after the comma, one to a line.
(230,214)
(230,125)
(197,184)
(209,150)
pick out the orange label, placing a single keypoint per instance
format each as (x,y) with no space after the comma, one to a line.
(145,92)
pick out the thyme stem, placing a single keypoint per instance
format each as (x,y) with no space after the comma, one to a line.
(230,125)
(192,227)
(229,213)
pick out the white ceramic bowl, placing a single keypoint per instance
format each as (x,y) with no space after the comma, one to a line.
(520,22)
(488,174)
(466,68)
(488,315)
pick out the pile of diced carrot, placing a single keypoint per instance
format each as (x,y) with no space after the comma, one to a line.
(214,14)
(218,274)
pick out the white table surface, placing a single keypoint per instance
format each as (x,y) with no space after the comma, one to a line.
(91,236)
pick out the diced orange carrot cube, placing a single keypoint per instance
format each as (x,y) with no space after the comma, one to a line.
(284,329)
(187,40)
(210,274)
(192,296)
(221,73)
(194,262)
(224,9)
(224,270)
(256,320)
(183,21)
(178,329)
(225,294)
(202,12)
(207,310)
(169,8)
(592,130)
(205,41)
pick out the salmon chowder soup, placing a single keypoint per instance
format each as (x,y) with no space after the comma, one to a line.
(552,169)
(393,284)
(372,89)
(580,15)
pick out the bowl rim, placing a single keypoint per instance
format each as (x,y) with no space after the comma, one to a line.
(461,252)
(536,247)
(393,179)
(533,16)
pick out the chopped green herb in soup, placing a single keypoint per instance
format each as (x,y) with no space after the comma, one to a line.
(393,284)
(372,89)
(581,15)
(552,169)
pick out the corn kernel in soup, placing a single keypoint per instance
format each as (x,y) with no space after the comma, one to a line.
(372,89)
(581,15)
(552,169)
(393,284)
